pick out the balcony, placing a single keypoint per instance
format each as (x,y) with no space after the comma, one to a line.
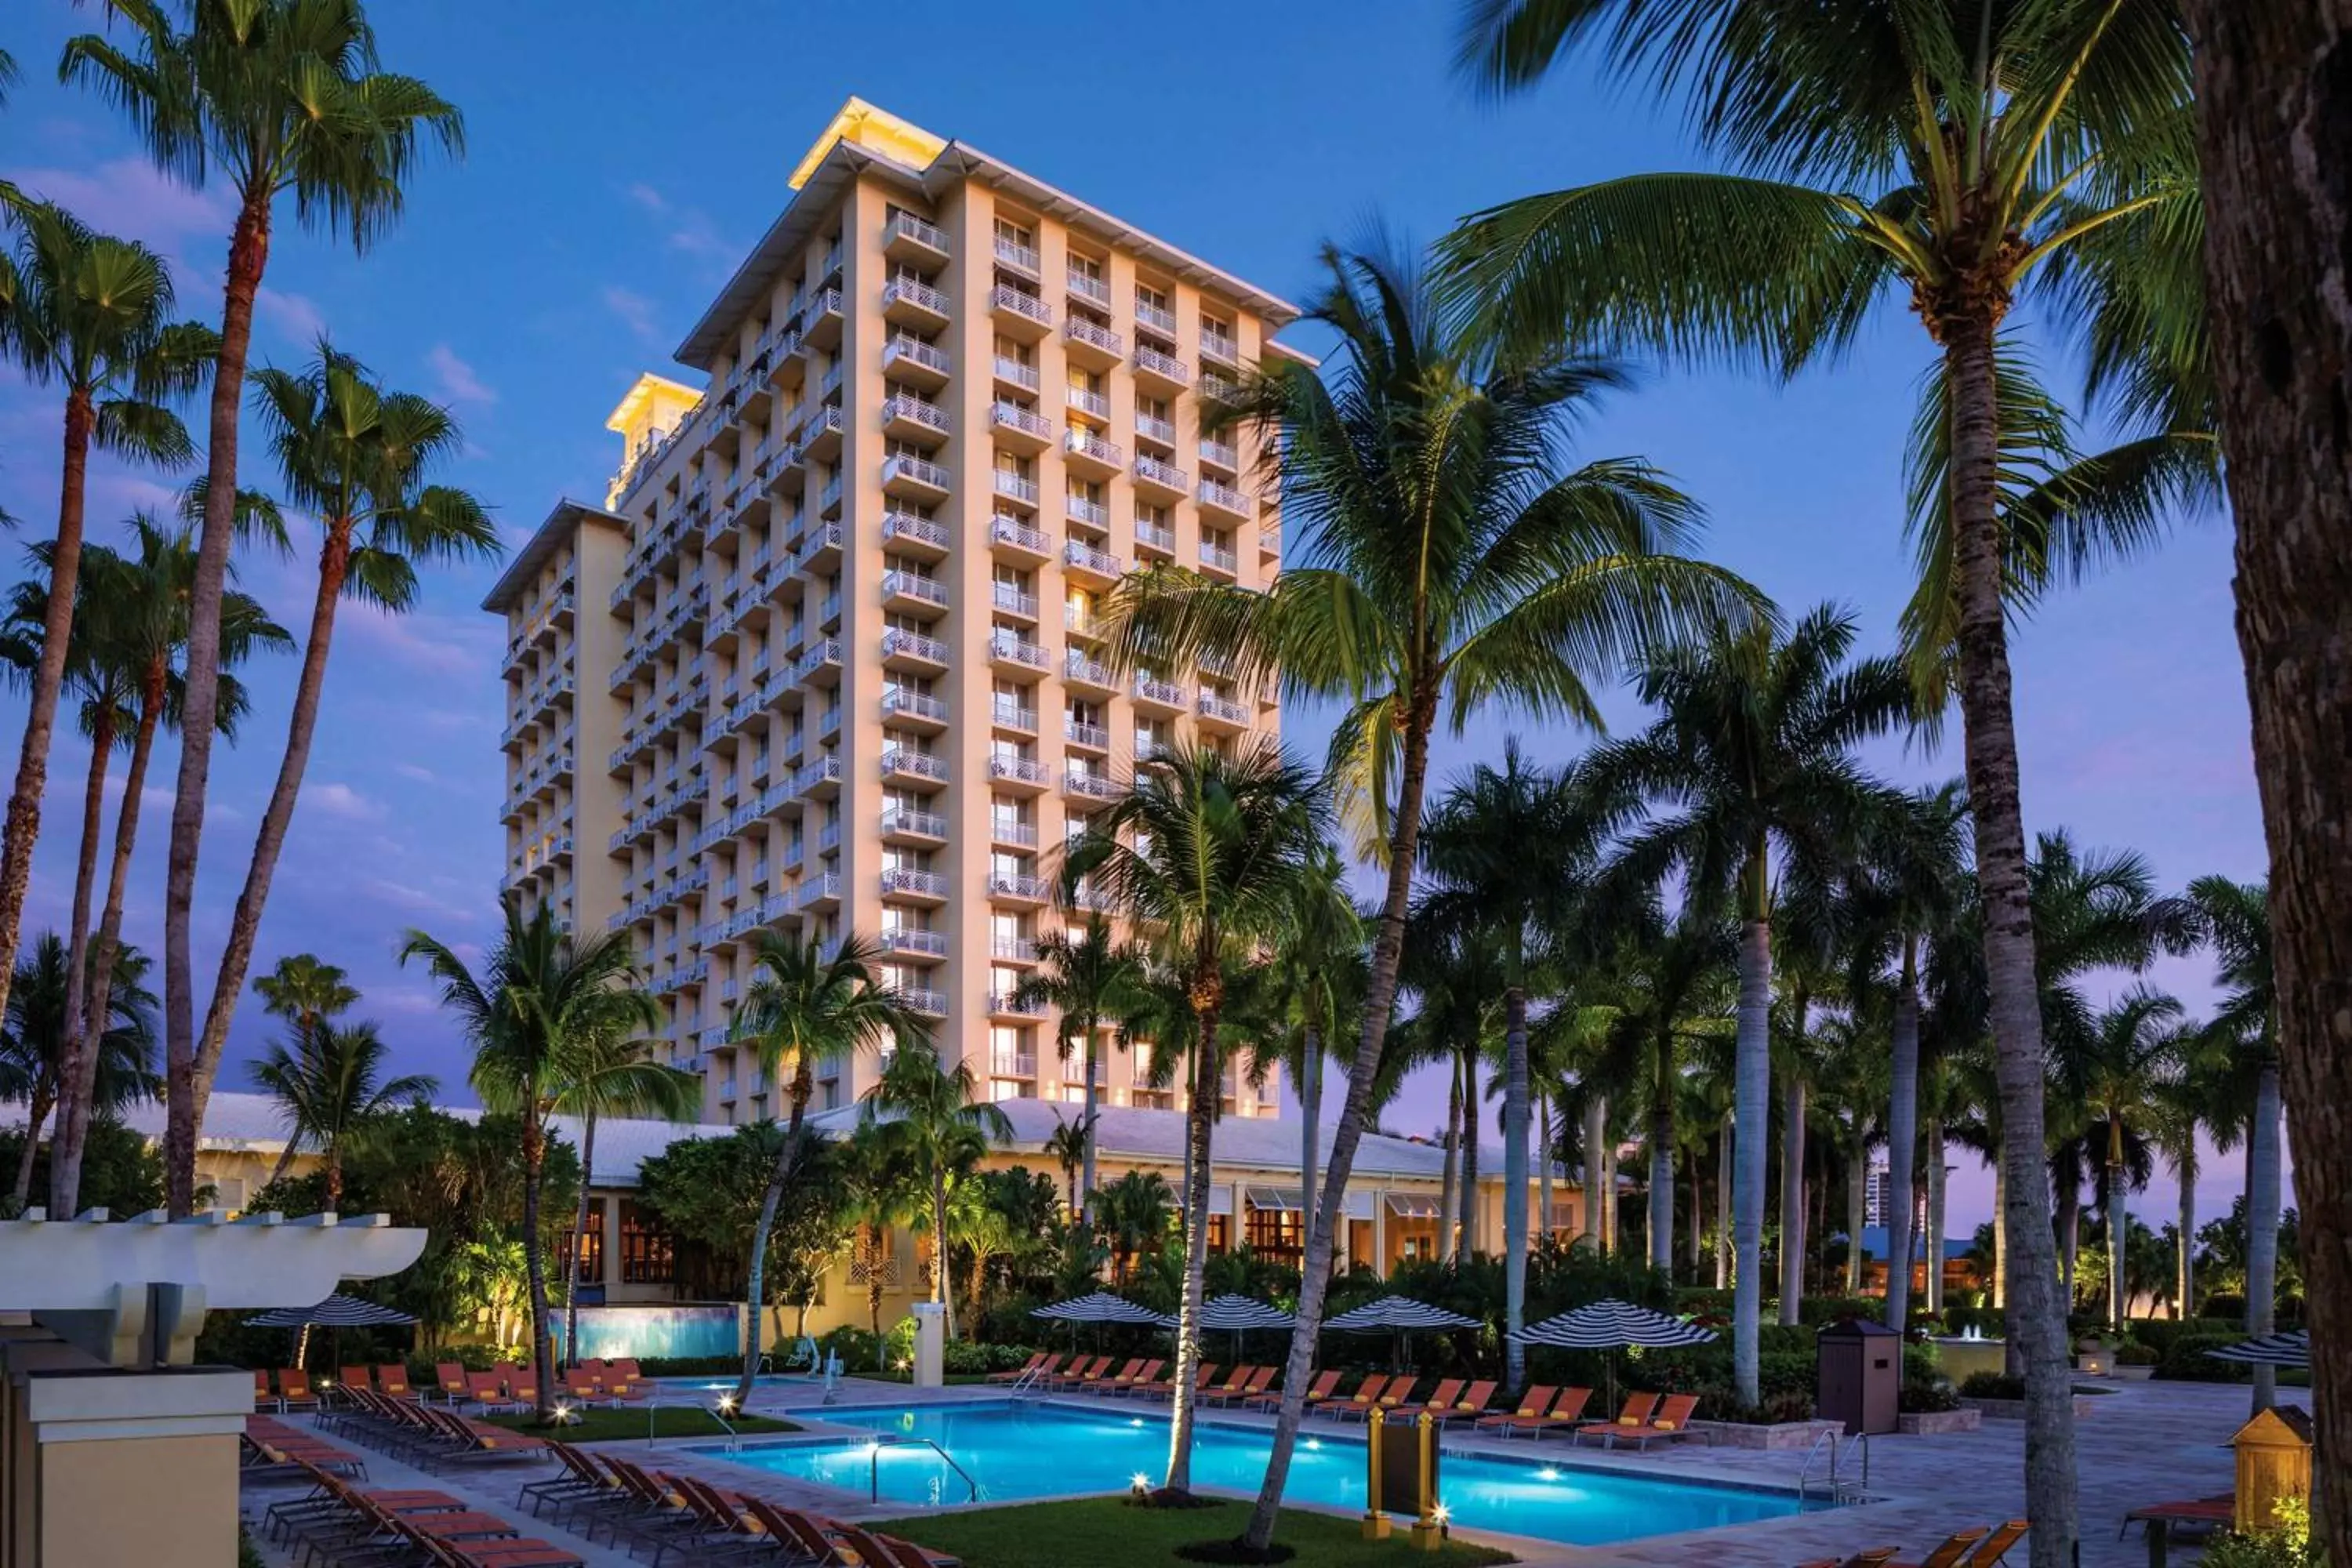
(904,764)
(1086,737)
(914,887)
(1018,655)
(1220,389)
(1217,495)
(1092,344)
(1005,830)
(1020,429)
(915,363)
(1091,288)
(907,237)
(821,318)
(821,437)
(1088,453)
(1080,670)
(1003,1004)
(1012,375)
(1007,714)
(1020,315)
(1220,348)
(1164,695)
(1082,622)
(1089,408)
(1087,790)
(819,892)
(912,941)
(909,417)
(910,478)
(1162,478)
(922,999)
(1154,317)
(1222,712)
(911,302)
(1087,512)
(820,551)
(1012,536)
(1165,372)
(906,591)
(911,651)
(1216,558)
(1153,540)
(1159,432)
(1013,949)
(1015,256)
(1017,888)
(1025,774)
(1086,561)
(903,825)
(1015,488)
(1008,600)
(1012,1064)
(925,537)
(916,710)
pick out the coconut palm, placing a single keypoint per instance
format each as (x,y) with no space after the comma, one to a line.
(807,1007)
(545,1005)
(1135,1213)
(2115,1071)
(328,1080)
(306,990)
(609,1077)
(1086,974)
(147,592)
(1751,773)
(358,457)
(943,1132)
(90,317)
(1066,1146)
(33,1047)
(1319,981)
(276,98)
(1209,851)
(1954,154)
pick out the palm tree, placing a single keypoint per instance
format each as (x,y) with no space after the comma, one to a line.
(327,1082)
(1750,764)
(278,97)
(1087,975)
(613,1078)
(1135,1211)
(1067,1146)
(1450,560)
(804,1008)
(147,593)
(1319,979)
(91,315)
(33,1048)
(306,990)
(1208,850)
(943,1133)
(1957,153)
(356,456)
(546,1003)
(2114,1070)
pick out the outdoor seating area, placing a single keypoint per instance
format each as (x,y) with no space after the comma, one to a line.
(1983,1546)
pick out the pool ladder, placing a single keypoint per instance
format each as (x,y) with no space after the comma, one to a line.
(874,1464)
(1836,1490)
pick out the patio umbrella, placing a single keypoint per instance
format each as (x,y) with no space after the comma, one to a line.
(334,1312)
(1399,1315)
(2271,1349)
(1606,1324)
(1237,1313)
(1099,1307)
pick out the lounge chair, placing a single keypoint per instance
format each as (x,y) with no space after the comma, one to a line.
(1318,1391)
(1204,1376)
(1378,1402)
(1951,1552)
(294,1388)
(356,1377)
(1127,1383)
(1567,1412)
(1103,1381)
(263,1399)
(1995,1546)
(1876,1557)
(1448,1391)
(1207,1392)
(1260,1378)
(392,1381)
(581,1386)
(1078,1371)
(1637,1411)
(451,1377)
(882,1551)
(1035,1364)
(1533,1412)
(1469,1407)
(2220,1508)
(1398,1393)
(1366,1396)
(1670,1425)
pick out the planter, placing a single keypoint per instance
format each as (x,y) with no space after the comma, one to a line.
(2123,1373)
(1778,1435)
(1938,1423)
(2098,1364)
(2014,1409)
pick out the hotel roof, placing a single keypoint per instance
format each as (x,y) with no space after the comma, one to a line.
(524,566)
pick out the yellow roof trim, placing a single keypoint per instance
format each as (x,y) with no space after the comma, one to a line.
(877,131)
(645,395)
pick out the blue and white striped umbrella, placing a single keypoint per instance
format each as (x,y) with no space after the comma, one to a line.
(1238,1312)
(1607,1324)
(2271,1349)
(1101,1307)
(1397,1313)
(334,1312)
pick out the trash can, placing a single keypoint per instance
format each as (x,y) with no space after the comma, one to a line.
(1861,1377)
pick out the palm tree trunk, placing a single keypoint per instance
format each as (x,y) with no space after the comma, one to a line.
(2037,1315)
(1902,1136)
(93,820)
(1196,1250)
(1752,1139)
(1311,1107)
(2185,1251)
(1697,1228)
(1857,1204)
(248,258)
(245,920)
(1469,1245)
(1086,1176)
(74,1104)
(580,1237)
(2263,1167)
(755,1271)
(1723,1133)
(1548,1141)
(1612,1217)
(1450,1174)
(1515,1182)
(534,1160)
(1792,1198)
(1355,1107)
(1661,1156)
(36,1111)
(2070,1240)
(1999,1235)
(1938,1183)
(2118,1216)
(24,820)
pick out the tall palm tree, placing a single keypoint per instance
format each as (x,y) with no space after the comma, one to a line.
(807,1007)
(1088,976)
(33,1048)
(545,1005)
(328,1080)
(359,458)
(278,98)
(613,1078)
(149,596)
(91,316)
(1449,560)
(2115,1070)
(1066,1146)
(1208,850)
(943,1130)
(1319,980)
(1954,154)
(306,990)
(1516,852)
(1751,773)
(1137,1210)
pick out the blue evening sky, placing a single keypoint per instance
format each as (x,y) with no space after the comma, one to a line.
(623,156)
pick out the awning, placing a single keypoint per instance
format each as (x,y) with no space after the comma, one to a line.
(1411,1205)
(1359,1205)
(1276,1200)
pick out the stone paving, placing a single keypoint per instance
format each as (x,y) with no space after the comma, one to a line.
(2143,1443)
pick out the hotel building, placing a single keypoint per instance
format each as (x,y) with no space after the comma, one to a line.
(829,658)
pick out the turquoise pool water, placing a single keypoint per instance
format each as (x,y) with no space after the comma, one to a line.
(1025,1450)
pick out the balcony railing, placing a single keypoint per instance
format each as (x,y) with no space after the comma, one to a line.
(1095,405)
(1016,885)
(907,586)
(924,884)
(1094,335)
(1166,693)
(1014,487)
(1019,650)
(1027,421)
(927,824)
(1090,787)
(898,702)
(915,292)
(904,761)
(1157,316)
(1082,734)
(1152,536)
(1223,708)
(1019,257)
(907,526)
(1019,375)
(1018,534)
(913,939)
(1167,476)
(1077,666)
(1003,831)
(1013,601)
(915,411)
(1221,347)
(1167,367)
(1087,558)
(1012,715)
(1003,297)
(907,225)
(1090,288)
(1220,558)
(1019,770)
(1086,444)
(899,643)
(915,470)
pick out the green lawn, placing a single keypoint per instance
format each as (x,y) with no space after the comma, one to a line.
(603,1423)
(1108,1530)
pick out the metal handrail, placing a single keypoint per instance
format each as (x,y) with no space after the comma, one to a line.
(1805,1471)
(874,1464)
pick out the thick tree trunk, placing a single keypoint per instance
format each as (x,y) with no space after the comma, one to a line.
(1596,1219)
(74,1107)
(1792,1200)
(2185,1252)
(1938,1186)
(1514,1183)
(755,1271)
(1612,1218)
(1751,1150)
(1449,1181)
(1857,1206)
(1546,1144)
(1999,1235)
(1310,1108)
(22,827)
(1087,1166)
(2264,1167)
(534,1163)
(248,258)
(1901,1137)
(1696,1228)
(942,1282)
(36,1113)
(1470,1194)
(579,1240)
(2070,1242)
(93,821)
(2118,1217)
(2036,1316)
(1723,1133)
(1196,1255)
(1661,1158)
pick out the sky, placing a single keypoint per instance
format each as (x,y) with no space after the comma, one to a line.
(622,157)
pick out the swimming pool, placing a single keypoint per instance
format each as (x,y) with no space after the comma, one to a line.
(1023,1449)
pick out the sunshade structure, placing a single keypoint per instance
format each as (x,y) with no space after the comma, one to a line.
(1102,1307)
(1238,1313)
(334,1312)
(2271,1349)
(1608,1324)
(1400,1316)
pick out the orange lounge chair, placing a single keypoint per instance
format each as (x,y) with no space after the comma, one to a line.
(1876,1557)
(1399,1390)
(1670,1425)
(1530,1415)
(1126,1384)
(1233,1385)
(392,1381)
(1994,1547)
(1950,1555)
(1318,1391)
(1448,1391)
(1078,1372)
(1035,1362)
(294,1388)
(1101,1381)
(1469,1407)
(262,1398)
(1366,1397)
(1567,1412)
(1260,1377)
(1165,1388)
(1637,1411)
(452,1379)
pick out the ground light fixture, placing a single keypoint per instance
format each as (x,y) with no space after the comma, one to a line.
(1139,1485)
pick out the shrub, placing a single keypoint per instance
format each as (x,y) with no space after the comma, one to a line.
(2184,1359)
(1986,1320)
(1820,1311)
(858,1349)
(1992,1385)
(2289,1545)
(248,1555)
(2132,1353)
(1920,1396)
(1720,1404)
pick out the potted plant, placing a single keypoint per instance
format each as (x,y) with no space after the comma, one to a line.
(2095,1356)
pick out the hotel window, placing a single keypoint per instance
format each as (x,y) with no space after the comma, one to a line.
(1274,1235)
(1014,233)
(647,1257)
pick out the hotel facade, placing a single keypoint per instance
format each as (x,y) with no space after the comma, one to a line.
(828,658)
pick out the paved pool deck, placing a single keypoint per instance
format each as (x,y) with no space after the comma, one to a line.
(2142,1443)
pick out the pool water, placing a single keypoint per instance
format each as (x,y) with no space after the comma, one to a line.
(1027,1450)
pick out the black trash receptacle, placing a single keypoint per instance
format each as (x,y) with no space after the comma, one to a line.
(1861,1377)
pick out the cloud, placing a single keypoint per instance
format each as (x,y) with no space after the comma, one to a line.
(411,771)
(294,316)
(636,312)
(645,197)
(330,798)
(447,645)
(458,382)
(417,900)
(130,197)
